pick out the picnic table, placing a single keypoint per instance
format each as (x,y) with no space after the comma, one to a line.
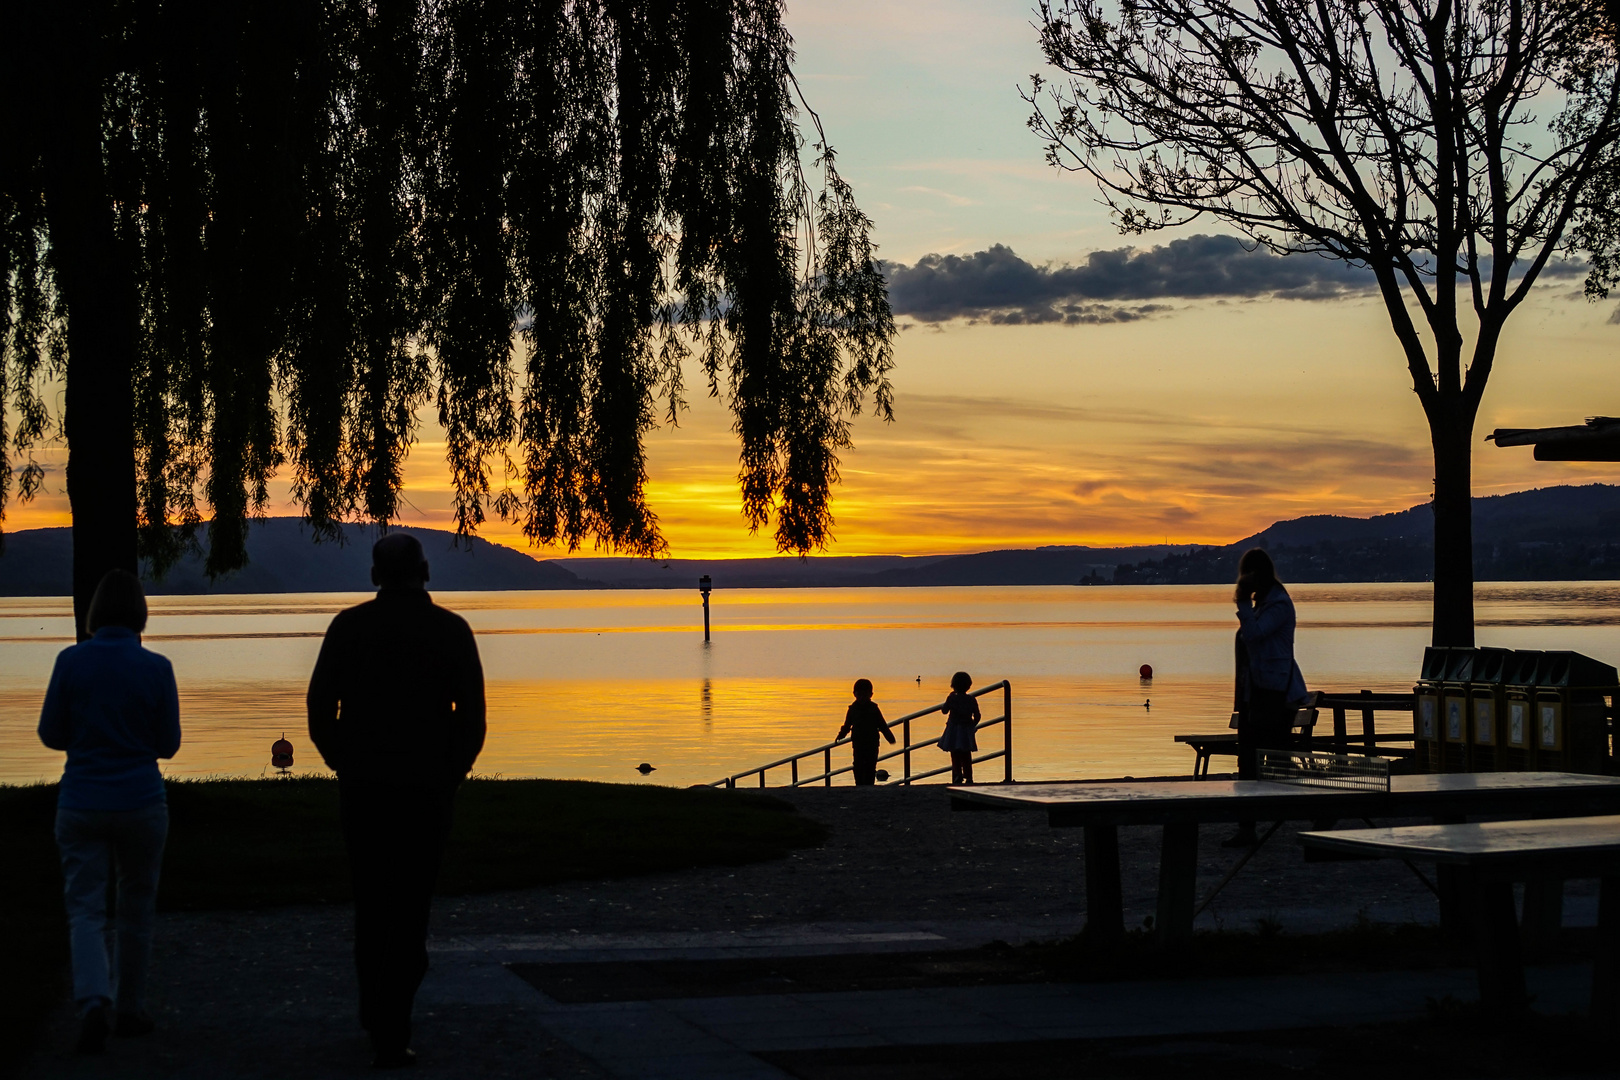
(1492,856)
(1181,806)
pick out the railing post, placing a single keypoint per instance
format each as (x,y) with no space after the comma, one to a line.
(826,772)
(907,746)
(762,778)
(1369,726)
(1006,702)
(795,772)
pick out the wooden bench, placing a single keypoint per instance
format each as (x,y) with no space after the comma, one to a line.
(1490,856)
(1225,743)
(1368,741)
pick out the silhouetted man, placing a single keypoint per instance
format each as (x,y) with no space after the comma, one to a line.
(396,707)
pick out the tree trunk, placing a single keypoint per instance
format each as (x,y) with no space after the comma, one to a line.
(1451,429)
(102,329)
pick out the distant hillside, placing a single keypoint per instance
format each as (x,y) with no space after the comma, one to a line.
(783,572)
(1556,533)
(1590,512)
(1547,534)
(1041,566)
(283,557)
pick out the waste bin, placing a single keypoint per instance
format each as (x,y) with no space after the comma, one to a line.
(1486,700)
(1454,743)
(1571,720)
(1426,718)
(1516,747)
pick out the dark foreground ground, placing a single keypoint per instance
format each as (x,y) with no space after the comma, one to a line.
(270,993)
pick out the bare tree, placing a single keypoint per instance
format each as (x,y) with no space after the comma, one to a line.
(1446,145)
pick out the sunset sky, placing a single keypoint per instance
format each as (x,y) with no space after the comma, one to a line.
(1174,396)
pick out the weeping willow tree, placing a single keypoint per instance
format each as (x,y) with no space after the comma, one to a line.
(243,236)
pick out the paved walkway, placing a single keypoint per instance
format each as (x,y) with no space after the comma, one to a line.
(263,995)
(477,1017)
(719,1036)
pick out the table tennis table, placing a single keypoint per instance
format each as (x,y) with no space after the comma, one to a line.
(1491,857)
(1181,806)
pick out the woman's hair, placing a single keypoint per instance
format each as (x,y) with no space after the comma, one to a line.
(863,687)
(119,601)
(961,682)
(1256,574)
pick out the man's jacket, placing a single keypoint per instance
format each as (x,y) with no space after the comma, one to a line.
(398,692)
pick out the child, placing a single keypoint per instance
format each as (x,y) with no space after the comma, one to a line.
(962,720)
(865,720)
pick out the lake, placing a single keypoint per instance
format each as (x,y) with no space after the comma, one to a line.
(588,684)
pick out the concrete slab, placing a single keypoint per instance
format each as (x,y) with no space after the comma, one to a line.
(720,1036)
(646,1040)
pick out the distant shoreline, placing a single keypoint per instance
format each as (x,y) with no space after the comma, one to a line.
(67,600)
(1564,533)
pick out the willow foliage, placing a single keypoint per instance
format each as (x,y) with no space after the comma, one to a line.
(525,214)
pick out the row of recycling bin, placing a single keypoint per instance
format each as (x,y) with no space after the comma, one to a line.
(1496,710)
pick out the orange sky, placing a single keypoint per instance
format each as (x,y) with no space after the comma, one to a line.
(1203,423)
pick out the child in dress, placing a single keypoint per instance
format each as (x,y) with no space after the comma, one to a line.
(962,719)
(865,722)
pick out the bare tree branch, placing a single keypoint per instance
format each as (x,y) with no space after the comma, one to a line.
(1397,134)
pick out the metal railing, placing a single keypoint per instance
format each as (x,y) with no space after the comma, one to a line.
(902,749)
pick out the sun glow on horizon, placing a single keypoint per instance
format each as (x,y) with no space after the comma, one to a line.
(1203,427)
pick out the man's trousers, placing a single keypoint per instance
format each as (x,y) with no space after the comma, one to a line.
(395,835)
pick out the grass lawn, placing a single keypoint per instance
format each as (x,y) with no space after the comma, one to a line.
(261,843)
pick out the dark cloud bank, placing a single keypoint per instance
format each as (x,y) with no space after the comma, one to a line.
(1110,286)
(1121,285)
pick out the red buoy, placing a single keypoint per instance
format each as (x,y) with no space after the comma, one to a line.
(281,753)
(1147,671)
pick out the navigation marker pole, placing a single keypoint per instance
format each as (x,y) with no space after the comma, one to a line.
(704,585)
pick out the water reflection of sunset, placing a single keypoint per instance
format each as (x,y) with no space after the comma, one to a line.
(588,684)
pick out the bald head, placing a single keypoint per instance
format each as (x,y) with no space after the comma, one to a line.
(397,562)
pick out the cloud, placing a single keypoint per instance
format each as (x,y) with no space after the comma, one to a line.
(997,286)
(952,199)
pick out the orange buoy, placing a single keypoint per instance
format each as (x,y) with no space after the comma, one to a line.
(1146,671)
(281,753)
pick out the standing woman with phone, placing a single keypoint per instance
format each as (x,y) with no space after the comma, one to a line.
(1268,685)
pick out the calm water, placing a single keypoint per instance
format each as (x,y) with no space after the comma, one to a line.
(587,684)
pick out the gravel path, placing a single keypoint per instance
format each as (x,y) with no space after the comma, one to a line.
(271,993)
(898,854)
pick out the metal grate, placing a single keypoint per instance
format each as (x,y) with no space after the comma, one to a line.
(1351,772)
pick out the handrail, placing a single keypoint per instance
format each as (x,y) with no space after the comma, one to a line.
(902,750)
